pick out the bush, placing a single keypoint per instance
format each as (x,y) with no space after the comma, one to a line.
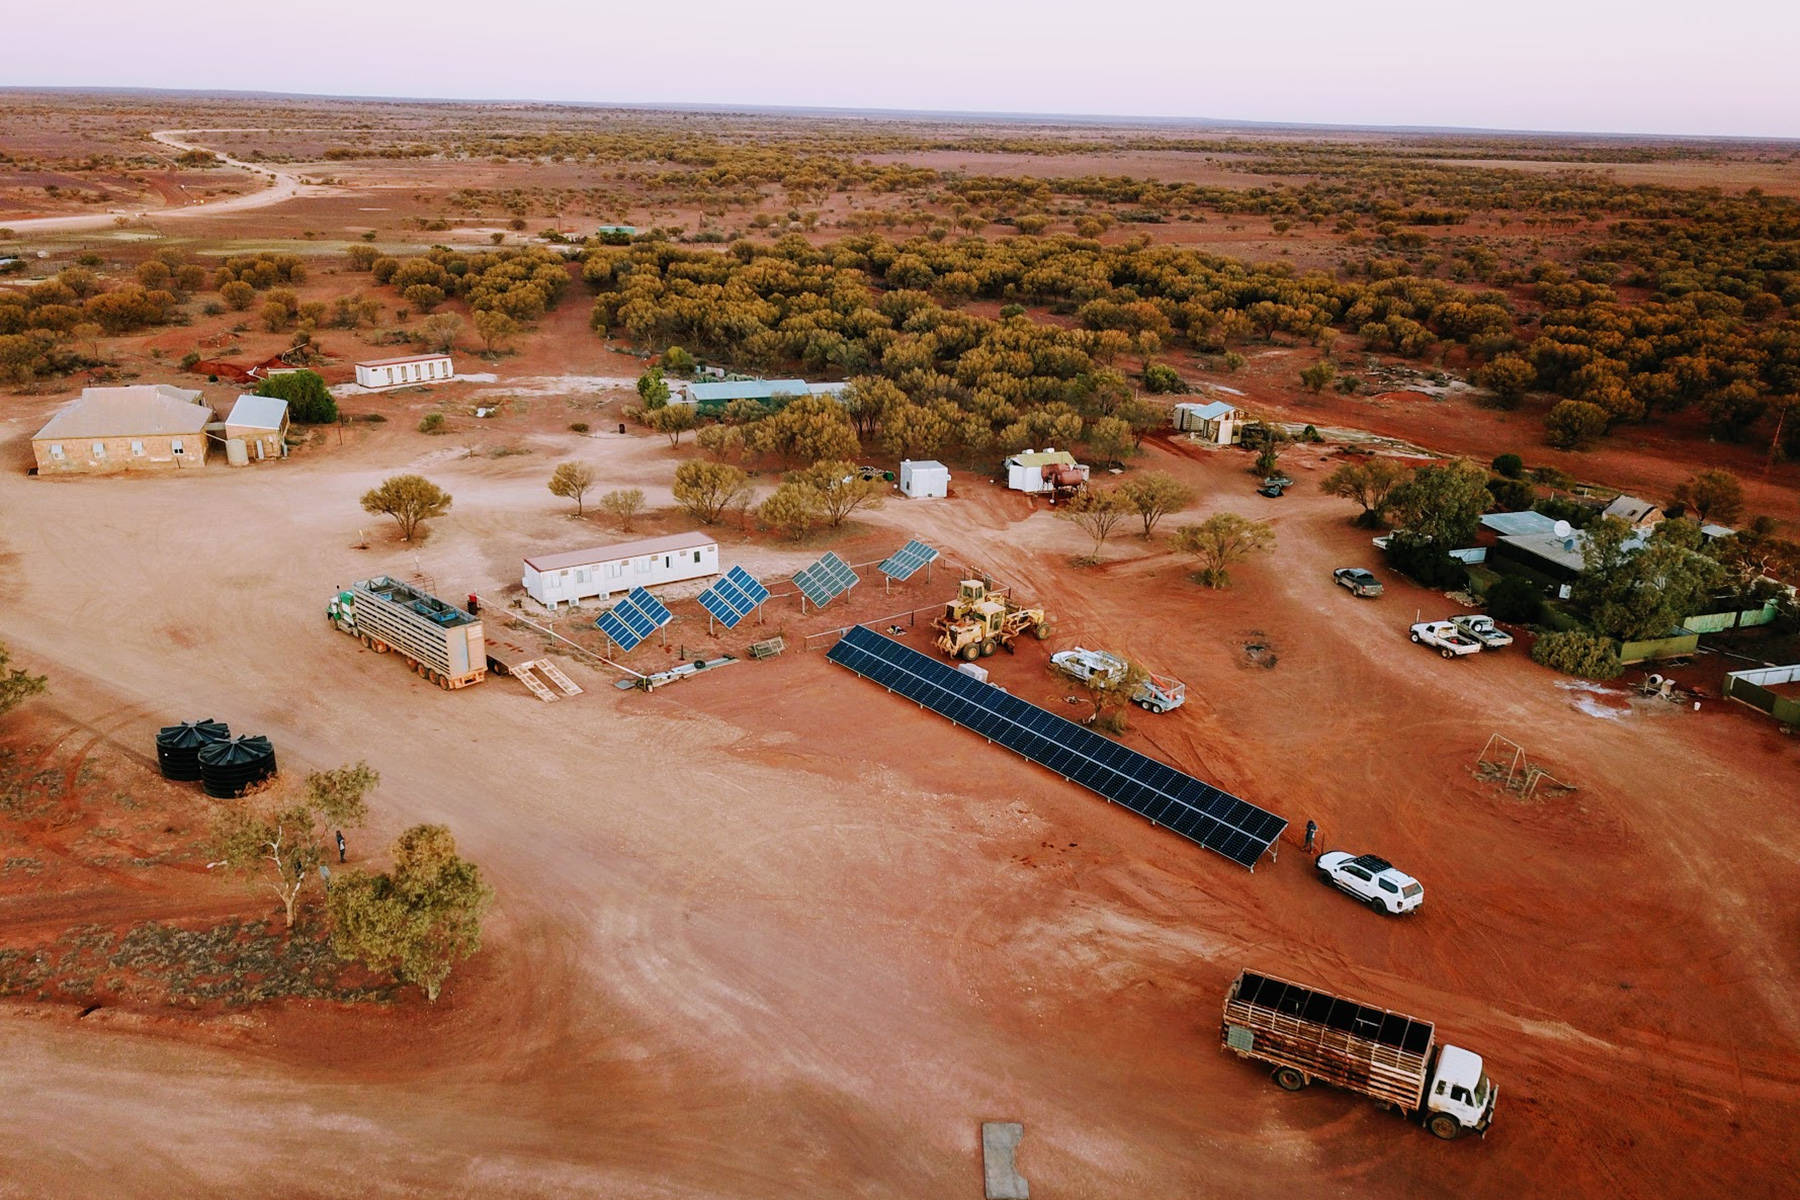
(431,423)
(1587,655)
(1574,424)
(1509,465)
(309,400)
(1515,600)
(1511,495)
(1159,378)
(1425,564)
(578,427)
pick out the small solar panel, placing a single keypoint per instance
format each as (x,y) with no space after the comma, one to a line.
(734,597)
(633,619)
(905,562)
(1173,799)
(839,573)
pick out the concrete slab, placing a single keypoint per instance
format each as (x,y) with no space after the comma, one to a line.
(999,1142)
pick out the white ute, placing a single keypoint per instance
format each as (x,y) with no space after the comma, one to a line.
(1450,641)
(1158,693)
(1481,627)
(1374,881)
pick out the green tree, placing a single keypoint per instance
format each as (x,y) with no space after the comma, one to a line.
(679,361)
(1371,484)
(1160,379)
(672,420)
(495,328)
(1110,692)
(653,389)
(16,686)
(1318,376)
(417,920)
(1111,439)
(439,331)
(237,295)
(707,489)
(410,499)
(1515,599)
(623,505)
(1574,424)
(794,508)
(1096,513)
(278,837)
(1574,652)
(1153,495)
(1629,590)
(841,489)
(1509,465)
(808,429)
(1713,495)
(571,480)
(1221,541)
(1509,377)
(1442,503)
(309,400)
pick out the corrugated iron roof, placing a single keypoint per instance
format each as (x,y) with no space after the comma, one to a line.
(152,409)
(410,358)
(258,412)
(1044,458)
(1209,412)
(1512,524)
(620,550)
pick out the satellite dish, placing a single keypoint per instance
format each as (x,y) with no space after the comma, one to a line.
(1562,529)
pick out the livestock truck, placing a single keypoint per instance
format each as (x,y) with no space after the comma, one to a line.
(1311,1036)
(442,642)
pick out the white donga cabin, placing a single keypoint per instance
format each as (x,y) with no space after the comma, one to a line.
(602,571)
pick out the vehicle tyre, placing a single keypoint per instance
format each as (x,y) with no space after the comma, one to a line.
(1042,631)
(1155,708)
(1445,1126)
(1415,637)
(1376,904)
(1446,652)
(1290,1080)
(1326,879)
(969,653)
(988,647)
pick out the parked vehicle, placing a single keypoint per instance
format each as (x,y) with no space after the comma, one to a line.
(1481,627)
(1271,490)
(443,642)
(1157,693)
(1375,881)
(1312,1036)
(1359,581)
(1450,641)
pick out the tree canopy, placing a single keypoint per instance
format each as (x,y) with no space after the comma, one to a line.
(419,918)
(410,499)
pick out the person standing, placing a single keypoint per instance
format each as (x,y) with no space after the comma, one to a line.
(1312,835)
(340,840)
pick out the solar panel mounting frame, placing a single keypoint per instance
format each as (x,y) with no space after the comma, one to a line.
(905,562)
(735,596)
(631,621)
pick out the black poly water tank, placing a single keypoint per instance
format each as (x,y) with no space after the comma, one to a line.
(229,769)
(178,747)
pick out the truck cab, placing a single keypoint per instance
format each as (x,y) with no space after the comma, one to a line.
(1460,1097)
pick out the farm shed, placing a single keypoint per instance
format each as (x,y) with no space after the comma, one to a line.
(261,424)
(1043,470)
(144,427)
(1639,514)
(577,575)
(1217,422)
(924,479)
(416,368)
(1774,690)
(709,396)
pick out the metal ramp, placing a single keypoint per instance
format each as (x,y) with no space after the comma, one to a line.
(523,674)
(555,675)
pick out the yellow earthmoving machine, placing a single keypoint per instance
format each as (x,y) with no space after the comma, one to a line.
(976,624)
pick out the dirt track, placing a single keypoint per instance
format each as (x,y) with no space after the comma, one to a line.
(813,937)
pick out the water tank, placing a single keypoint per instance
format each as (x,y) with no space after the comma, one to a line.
(236,453)
(178,747)
(231,768)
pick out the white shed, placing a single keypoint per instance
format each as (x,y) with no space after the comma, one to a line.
(577,575)
(415,368)
(924,479)
(1217,422)
(1043,470)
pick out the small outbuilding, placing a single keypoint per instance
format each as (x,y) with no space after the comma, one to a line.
(261,424)
(709,396)
(1217,422)
(924,479)
(144,427)
(599,572)
(1639,514)
(397,372)
(1045,470)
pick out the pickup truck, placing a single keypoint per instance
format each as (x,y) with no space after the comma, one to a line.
(1359,581)
(1312,1036)
(1157,694)
(1450,641)
(1481,627)
(1375,881)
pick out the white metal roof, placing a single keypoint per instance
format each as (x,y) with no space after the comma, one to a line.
(142,409)
(1211,411)
(258,412)
(619,551)
(410,358)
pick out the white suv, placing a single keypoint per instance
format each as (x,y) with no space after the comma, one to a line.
(1375,881)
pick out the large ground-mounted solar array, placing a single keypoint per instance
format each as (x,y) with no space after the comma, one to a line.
(825,580)
(1173,799)
(734,597)
(633,619)
(905,562)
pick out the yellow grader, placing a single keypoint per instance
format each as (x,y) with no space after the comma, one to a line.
(976,624)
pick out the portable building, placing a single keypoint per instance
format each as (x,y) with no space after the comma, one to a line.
(1217,422)
(1639,514)
(599,572)
(261,424)
(415,368)
(144,427)
(924,479)
(1043,470)
(710,396)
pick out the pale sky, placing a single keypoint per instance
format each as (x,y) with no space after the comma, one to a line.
(1627,66)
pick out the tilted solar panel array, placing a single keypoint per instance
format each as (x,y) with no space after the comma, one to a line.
(633,619)
(825,580)
(1173,799)
(905,562)
(734,597)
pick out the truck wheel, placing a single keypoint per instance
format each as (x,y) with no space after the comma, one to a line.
(970,652)
(1445,1126)
(988,647)
(1446,652)
(1042,632)
(1289,1079)
(1415,637)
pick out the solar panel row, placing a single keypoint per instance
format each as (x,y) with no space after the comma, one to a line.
(733,597)
(633,619)
(903,563)
(1173,799)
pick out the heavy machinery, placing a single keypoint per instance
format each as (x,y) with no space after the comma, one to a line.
(975,624)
